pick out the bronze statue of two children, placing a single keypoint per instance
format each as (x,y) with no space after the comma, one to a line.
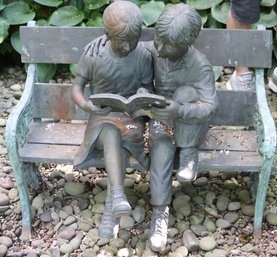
(118,63)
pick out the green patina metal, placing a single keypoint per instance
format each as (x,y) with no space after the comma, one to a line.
(267,144)
(15,134)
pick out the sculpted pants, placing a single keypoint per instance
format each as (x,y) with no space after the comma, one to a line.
(162,152)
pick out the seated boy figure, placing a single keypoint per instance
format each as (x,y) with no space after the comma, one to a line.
(185,77)
(121,66)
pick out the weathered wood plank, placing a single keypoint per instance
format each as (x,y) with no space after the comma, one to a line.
(56,133)
(229,161)
(233,140)
(43,153)
(73,134)
(54,101)
(39,45)
(208,160)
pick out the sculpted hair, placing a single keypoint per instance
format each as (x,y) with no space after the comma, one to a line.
(180,24)
(121,18)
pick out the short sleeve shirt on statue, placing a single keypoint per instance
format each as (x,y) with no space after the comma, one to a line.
(108,73)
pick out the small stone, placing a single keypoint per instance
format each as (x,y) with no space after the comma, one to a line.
(3,250)
(182,250)
(74,188)
(125,252)
(174,254)
(234,206)
(202,181)
(232,217)
(248,210)
(190,241)
(231,184)
(101,197)
(66,248)
(2,122)
(244,196)
(247,248)
(69,220)
(139,214)
(212,212)
(67,233)
(210,226)
(207,243)
(37,243)
(142,188)
(222,203)
(117,243)
(126,222)
(13,193)
(4,240)
(37,202)
(6,183)
(4,199)
(15,87)
(271,218)
(83,204)
(46,216)
(222,223)
(198,229)
(216,253)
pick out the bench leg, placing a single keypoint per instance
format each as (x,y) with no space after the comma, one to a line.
(264,177)
(22,187)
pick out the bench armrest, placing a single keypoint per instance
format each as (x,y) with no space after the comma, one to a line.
(264,121)
(19,120)
(266,143)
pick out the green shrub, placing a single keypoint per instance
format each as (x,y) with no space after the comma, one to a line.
(89,13)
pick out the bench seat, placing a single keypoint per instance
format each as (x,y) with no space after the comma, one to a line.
(224,149)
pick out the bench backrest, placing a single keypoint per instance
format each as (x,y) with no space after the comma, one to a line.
(228,48)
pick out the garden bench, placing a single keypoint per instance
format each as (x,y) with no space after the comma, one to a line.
(47,127)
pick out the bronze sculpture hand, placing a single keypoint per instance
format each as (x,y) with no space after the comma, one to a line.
(90,107)
(168,113)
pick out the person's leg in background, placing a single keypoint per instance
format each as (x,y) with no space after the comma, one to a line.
(242,14)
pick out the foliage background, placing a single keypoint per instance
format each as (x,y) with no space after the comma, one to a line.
(89,13)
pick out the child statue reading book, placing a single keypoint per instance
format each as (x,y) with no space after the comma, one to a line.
(185,77)
(121,66)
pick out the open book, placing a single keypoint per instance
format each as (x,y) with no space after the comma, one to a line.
(135,105)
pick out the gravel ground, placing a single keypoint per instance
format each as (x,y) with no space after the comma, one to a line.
(213,217)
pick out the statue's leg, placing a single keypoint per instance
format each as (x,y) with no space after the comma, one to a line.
(110,140)
(162,152)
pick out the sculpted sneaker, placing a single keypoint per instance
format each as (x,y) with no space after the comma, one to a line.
(188,165)
(120,205)
(109,224)
(273,81)
(242,82)
(158,228)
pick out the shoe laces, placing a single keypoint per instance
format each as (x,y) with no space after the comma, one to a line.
(160,221)
(184,160)
(246,81)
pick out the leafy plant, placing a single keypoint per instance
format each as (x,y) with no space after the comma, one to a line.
(89,13)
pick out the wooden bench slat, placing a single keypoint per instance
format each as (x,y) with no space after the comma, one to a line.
(208,160)
(36,42)
(46,153)
(73,134)
(230,161)
(234,140)
(56,133)
(234,109)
